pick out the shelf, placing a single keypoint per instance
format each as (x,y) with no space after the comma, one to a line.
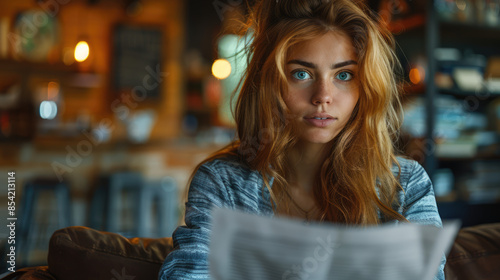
(468,159)
(448,29)
(470,214)
(481,94)
(73,77)
(461,93)
(36,67)
(469,26)
(469,35)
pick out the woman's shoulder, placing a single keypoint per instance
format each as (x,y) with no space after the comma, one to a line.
(228,166)
(417,200)
(411,172)
(406,164)
(232,172)
(235,182)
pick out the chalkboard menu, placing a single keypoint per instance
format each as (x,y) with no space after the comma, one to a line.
(137,60)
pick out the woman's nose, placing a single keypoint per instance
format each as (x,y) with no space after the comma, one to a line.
(323,93)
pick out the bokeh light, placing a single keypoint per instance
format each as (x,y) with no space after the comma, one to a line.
(48,110)
(82,51)
(417,75)
(221,69)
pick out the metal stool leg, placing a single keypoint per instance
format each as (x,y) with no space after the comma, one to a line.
(110,204)
(168,207)
(143,211)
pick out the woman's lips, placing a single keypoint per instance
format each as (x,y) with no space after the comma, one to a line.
(317,122)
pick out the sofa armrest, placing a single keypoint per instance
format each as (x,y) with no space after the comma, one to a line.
(82,253)
(475,254)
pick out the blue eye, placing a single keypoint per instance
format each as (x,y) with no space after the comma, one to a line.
(344,76)
(301,75)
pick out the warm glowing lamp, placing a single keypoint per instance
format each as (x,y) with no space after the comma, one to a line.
(82,51)
(417,75)
(414,76)
(221,69)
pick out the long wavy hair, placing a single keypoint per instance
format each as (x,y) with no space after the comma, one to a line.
(355,183)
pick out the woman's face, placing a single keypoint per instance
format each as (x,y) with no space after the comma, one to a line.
(323,86)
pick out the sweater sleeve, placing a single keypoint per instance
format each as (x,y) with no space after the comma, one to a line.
(420,205)
(189,259)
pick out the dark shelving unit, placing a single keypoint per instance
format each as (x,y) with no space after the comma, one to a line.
(482,39)
(432,33)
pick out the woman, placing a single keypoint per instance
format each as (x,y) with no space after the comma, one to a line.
(316,116)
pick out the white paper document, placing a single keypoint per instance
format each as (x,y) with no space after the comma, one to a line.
(245,246)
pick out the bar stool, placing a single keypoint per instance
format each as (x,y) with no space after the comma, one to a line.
(28,226)
(164,195)
(107,205)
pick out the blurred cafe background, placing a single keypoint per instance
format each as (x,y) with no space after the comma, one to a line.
(106,106)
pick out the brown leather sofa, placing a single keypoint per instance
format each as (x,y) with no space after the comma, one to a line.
(80,253)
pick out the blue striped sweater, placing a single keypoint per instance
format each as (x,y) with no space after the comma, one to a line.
(230,184)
